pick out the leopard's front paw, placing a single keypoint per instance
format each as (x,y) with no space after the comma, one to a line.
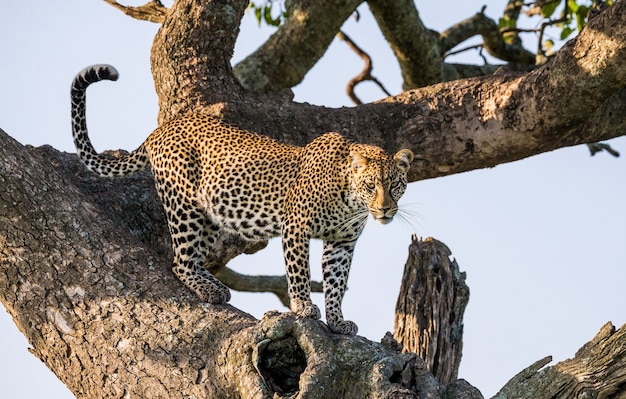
(345,327)
(305,309)
(213,293)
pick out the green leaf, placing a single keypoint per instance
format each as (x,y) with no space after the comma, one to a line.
(571,4)
(581,17)
(257,14)
(566,32)
(504,23)
(548,9)
(267,15)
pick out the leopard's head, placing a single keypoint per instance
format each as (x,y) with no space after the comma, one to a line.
(379,180)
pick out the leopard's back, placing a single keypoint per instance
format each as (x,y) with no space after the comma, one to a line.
(239,178)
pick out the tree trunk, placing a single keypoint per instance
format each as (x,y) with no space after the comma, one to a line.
(430,308)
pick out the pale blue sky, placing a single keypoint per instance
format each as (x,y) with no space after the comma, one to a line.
(542,239)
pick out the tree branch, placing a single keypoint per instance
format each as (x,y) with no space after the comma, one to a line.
(154,11)
(366,73)
(283,60)
(430,308)
(457,126)
(510,16)
(101,309)
(596,370)
(415,46)
(599,147)
(277,285)
(494,41)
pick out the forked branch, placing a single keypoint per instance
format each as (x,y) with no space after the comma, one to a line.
(494,41)
(366,73)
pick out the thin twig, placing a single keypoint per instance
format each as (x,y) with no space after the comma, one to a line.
(597,147)
(366,73)
(461,50)
(564,18)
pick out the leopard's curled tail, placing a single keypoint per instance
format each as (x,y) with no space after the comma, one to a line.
(103,166)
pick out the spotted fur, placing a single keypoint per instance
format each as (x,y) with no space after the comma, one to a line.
(212,176)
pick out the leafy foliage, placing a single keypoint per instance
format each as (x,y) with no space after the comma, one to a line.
(266,12)
(574,14)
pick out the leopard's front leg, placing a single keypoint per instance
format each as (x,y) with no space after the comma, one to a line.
(336,260)
(296,252)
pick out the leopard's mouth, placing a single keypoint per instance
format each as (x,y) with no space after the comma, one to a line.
(383,219)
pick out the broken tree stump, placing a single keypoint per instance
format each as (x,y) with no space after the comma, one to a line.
(430,307)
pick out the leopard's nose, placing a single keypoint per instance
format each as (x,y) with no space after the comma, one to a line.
(384,209)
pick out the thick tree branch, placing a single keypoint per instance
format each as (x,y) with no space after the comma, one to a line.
(201,74)
(456,126)
(154,11)
(282,61)
(415,46)
(494,41)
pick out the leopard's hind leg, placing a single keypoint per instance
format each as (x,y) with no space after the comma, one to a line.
(193,235)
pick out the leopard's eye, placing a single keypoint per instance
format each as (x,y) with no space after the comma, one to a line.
(370,186)
(395,183)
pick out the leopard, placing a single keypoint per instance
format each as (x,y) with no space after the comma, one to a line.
(213,177)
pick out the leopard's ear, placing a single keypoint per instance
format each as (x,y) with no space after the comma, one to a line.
(403,159)
(357,161)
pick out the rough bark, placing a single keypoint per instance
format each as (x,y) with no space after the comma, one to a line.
(430,308)
(416,47)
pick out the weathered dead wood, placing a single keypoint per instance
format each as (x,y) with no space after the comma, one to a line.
(430,308)
(598,370)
